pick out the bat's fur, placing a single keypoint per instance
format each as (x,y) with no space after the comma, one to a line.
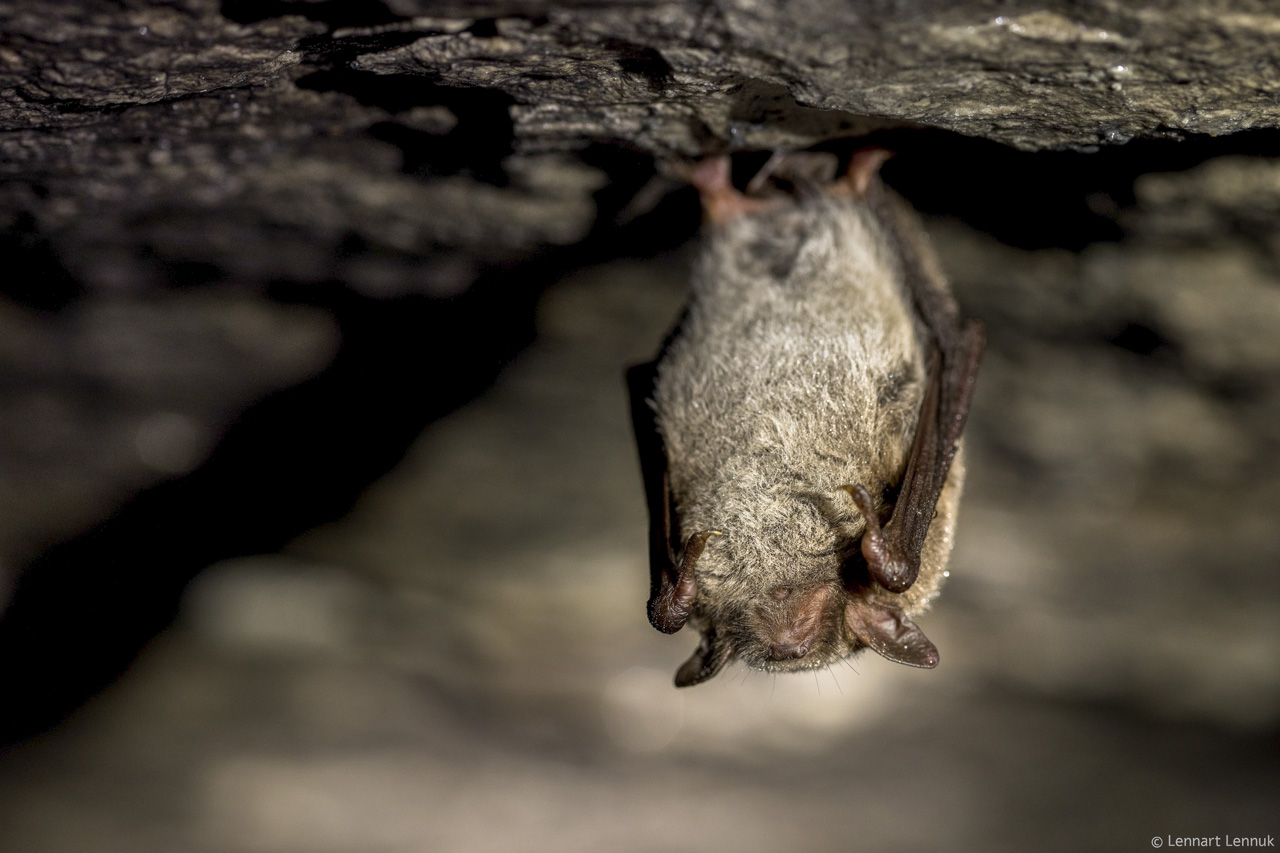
(797,370)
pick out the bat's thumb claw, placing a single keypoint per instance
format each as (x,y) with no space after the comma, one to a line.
(887,565)
(893,573)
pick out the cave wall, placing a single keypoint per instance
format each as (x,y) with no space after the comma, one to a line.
(284,140)
(244,241)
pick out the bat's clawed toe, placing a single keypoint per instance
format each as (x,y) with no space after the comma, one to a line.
(721,202)
(863,167)
(887,567)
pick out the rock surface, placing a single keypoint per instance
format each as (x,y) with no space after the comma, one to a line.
(309,140)
(681,76)
(311,333)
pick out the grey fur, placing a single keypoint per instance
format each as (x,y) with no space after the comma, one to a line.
(798,370)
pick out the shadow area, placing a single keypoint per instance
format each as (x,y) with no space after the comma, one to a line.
(81,611)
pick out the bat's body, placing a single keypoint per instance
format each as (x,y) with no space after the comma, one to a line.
(821,358)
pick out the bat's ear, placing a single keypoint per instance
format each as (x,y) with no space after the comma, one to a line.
(863,166)
(888,632)
(709,659)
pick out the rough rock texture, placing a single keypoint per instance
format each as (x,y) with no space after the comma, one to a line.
(678,75)
(755,74)
(343,280)
(63,59)
(119,125)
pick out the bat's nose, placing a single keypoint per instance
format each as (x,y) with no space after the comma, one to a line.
(788,651)
(792,632)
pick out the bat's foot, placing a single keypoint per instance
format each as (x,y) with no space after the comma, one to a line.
(864,165)
(721,203)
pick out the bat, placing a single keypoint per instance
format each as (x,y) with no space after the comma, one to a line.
(800,432)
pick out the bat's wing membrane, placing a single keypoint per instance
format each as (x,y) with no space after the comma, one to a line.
(953,350)
(671,580)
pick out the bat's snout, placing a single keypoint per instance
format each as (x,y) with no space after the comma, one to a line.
(791,636)
(780,651)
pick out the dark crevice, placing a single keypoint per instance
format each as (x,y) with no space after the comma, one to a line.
(427,154)
(477,145)
(191,273)
(44,283)
(1036,200)
(335,13)
(671,220)
(485,28)
(646,62)
(1141,340)
(394,93)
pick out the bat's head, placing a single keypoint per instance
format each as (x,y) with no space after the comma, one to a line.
(788,627)
(784,583)
(792,628)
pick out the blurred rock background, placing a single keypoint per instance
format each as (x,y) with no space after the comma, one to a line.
(320,524)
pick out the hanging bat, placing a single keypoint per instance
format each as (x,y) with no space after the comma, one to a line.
(799,435)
